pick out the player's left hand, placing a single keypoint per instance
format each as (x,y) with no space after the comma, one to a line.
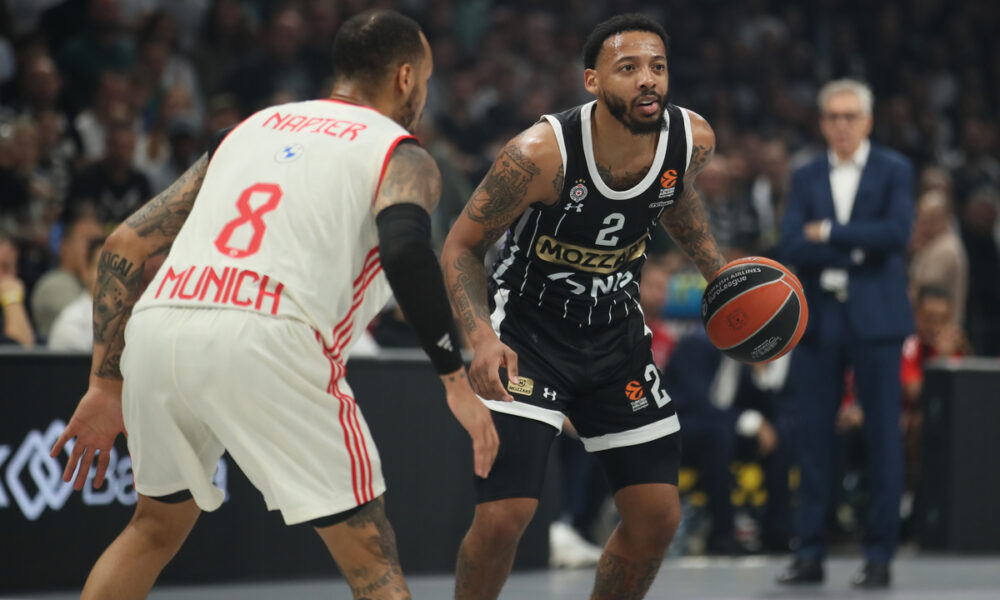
(473,415)
(95,424)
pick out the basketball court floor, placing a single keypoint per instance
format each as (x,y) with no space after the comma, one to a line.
(920,577)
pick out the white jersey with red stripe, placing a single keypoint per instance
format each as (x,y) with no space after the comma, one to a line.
(283,224)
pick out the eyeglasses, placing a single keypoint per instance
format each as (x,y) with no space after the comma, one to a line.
(849,118)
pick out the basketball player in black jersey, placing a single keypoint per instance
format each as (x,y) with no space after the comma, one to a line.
(577,195)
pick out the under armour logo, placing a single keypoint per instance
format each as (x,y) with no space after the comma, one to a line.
(445,343)
(578,207)
(549,394)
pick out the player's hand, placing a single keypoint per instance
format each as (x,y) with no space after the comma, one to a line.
(95,425)
(475,418)
(484,374)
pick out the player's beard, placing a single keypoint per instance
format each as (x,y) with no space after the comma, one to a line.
(408,116)
(621,110)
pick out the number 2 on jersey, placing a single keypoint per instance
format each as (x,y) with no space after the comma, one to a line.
(253,216)
(616,221)
(653,376)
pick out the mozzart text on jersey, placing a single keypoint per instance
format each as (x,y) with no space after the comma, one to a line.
(582,258)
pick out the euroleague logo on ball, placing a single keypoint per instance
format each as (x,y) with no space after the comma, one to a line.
(633,390)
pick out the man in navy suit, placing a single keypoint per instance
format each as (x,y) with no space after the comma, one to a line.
(845,231)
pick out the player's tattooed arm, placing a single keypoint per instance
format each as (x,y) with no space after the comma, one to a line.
(160,220)
(147,233)
(411,176)
(500,198)
(119,283)
(686,221)
(527,170)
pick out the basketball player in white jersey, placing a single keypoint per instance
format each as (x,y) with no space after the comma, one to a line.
(577,195)
(276,241)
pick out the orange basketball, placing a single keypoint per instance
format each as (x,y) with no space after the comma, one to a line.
(754,309)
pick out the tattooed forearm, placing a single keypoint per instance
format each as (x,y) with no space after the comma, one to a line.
(119,283)
(457,376)
(688,226)
(686,221)
(467,279)
(165,214)
(619,578)
(494,205)
(122,264)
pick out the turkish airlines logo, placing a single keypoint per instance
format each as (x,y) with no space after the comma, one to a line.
(32,480)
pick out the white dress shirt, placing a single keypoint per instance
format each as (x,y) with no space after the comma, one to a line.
(844,179)
(845,175)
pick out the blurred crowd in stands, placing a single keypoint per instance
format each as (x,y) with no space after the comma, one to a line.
(103,103)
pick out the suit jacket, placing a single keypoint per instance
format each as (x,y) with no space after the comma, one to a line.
(880,225)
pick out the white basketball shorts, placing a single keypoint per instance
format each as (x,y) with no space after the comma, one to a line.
(201,381)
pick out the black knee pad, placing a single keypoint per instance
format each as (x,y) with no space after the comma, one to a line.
(340,517)
(656,461)
(175,498)
(519,469)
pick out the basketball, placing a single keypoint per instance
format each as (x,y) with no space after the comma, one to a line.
(754,310)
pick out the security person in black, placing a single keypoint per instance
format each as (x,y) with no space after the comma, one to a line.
(577,195)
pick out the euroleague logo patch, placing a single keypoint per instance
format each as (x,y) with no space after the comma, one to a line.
(668,181)
(636,395)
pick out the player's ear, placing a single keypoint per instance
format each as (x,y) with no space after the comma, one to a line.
(405,78)
(590,81)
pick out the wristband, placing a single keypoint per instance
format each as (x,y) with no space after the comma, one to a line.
(12,297)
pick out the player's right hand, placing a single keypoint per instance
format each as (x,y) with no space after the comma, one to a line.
(95,424)
(484,373)
(477,421)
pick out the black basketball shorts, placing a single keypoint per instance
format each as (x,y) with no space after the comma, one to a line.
(602,377)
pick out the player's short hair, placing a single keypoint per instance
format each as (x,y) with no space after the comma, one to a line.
(618,24)
(374,43)
(853,86)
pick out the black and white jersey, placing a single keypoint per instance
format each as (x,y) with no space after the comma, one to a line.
(580,258)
